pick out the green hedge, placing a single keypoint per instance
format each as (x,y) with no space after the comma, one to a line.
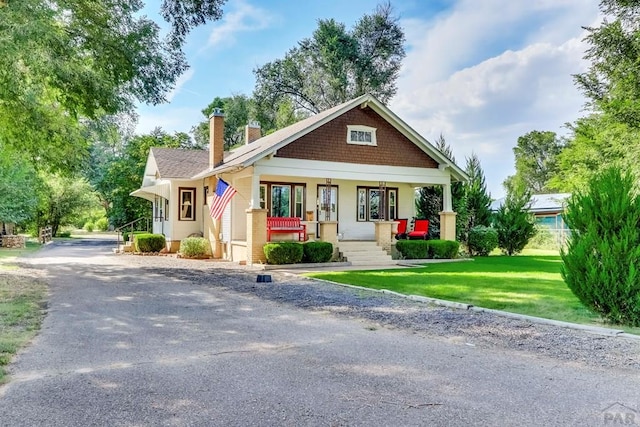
(125,234)
(317,252)
(193,247)
(149,242)
(428,249)
(283,253)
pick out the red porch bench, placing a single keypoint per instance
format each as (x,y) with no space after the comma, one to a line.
(286,225)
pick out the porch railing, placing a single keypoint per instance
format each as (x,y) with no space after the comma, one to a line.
(140,224)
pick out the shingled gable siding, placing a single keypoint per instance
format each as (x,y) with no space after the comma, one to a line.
(329,143)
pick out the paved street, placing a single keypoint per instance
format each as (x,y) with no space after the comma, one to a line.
(121,347)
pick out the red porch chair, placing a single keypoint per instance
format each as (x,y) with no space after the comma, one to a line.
(402,229)
(420,230)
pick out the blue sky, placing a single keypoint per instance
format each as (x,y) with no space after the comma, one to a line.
(481,72)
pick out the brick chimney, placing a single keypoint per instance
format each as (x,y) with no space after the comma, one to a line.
(216,138)
(252,132)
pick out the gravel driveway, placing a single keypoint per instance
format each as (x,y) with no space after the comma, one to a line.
(146,341)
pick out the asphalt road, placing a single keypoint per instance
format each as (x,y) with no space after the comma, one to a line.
(122,348)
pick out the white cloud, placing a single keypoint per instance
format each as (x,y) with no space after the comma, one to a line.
(242,18)
(483,104)
(184,78)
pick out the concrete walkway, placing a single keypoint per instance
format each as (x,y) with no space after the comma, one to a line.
(120,348)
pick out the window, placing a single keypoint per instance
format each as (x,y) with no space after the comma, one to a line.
(298,205)
(160,209)
(263,196)
(361,135)
(280,200)
(283,199)
(187,200)
(392,196)
(157,208)
(370,203)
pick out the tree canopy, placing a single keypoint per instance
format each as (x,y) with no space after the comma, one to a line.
(236,110)
(65,62)
(333,66)
(536,155)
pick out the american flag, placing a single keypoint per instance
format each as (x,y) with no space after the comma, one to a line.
(221,198)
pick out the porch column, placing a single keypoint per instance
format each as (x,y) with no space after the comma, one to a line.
(256,235)
(384,233)
(212,230)
(447,216)
(254,203)
(329,232)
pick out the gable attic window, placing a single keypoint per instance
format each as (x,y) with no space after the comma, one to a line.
(361,135)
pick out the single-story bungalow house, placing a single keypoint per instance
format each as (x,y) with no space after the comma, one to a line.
(346,173)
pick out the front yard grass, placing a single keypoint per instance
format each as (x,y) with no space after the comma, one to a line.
(8,256)
(529,285)
(21,305)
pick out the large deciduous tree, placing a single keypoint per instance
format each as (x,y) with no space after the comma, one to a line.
(63,199)
(64,61)
(123,175)
(536,155)
(333,66)
(612,82)
(609,135)
(236,109)
(18,200)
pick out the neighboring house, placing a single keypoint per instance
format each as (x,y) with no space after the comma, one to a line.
(347,173)
(547,208)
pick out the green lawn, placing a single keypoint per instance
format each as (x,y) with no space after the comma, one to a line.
(21,302)
(8,256)
(529,285)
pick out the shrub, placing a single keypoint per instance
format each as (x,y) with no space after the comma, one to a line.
(600,263)
(63,234)
(514,223)
(317,252)
(413,249)
(102,224)
(193,247)
(149,242)
(88,226)
(428,249)
(283,252)
(443,249)
(482,240)
(126,234)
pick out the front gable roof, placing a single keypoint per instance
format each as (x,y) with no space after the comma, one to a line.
(247,155)
(179,163)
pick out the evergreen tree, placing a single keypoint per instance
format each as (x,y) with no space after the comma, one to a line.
(514,223)
(477,200)
(429,199)
(602,261)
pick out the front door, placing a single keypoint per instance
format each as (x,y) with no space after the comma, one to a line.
(327,202)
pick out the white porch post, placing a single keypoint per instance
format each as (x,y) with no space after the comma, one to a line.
(447,216)
(254,203)
(447,205)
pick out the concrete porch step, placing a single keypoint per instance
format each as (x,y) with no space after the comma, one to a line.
(364,253)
